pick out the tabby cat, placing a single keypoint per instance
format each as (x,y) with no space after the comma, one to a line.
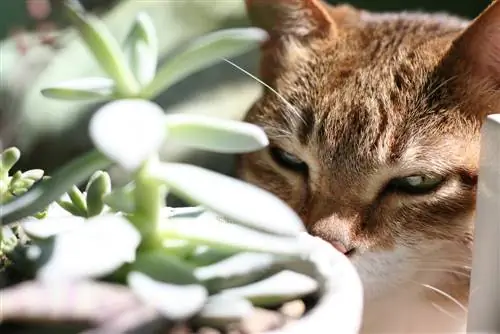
(374,122)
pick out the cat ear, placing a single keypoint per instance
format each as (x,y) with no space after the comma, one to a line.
(476,52)
(294,18)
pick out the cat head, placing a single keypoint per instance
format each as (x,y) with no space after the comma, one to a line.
(374,121)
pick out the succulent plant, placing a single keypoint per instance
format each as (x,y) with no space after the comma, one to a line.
(236,248)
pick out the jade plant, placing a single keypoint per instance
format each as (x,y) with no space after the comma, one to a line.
(235,248)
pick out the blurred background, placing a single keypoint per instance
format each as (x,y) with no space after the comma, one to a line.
(38,49)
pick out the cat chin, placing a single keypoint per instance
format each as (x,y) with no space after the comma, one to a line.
(383,272)
(396,297)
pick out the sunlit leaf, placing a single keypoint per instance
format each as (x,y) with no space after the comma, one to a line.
(221,310)
(9,158)
(183,212)
(203,53)
(95,249)
(128,131)
(104,47)
(94,88)
(164,267)
(204,255)
(279,288)
(50,226)
(175,302)
(78,200)
(240,202)
(215,134)
(44,193)
(33,174)
(181,249)
(121,199)
(237,270)
(141,48)
(99,185)
(228,237)
(71,208)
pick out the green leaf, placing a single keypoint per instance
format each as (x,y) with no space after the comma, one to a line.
(33,174)
(204,255)
(178,248)
(221,310)
(71,208)
(184,212)
(175,302)
(98,186)
(9,158)
(237,270)
(97,248)
(94,88)
(141,49)
(228,237)
(128,131)
(202,53)
(164,267)
(277,289)
(121,199)
(46,228)
(46,192)
(78,200)
(240,202)
(104,47)
(215,134)
(20,183)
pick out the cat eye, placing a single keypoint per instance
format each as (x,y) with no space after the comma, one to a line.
(416,184)
(287,160)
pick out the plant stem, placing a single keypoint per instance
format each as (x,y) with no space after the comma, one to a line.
(149,195)
(44,193)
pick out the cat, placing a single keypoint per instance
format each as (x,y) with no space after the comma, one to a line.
(374,124)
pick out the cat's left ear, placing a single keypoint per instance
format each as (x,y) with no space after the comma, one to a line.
(474,56)
(290,18)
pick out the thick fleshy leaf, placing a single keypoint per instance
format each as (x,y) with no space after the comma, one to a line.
(57,221)
(97,248)
(204,255)
(183,212)
(71,208)
(9,158)
(203,53)
(99,185)
(78,200)
(221,309)
(229,237)
(215,134)
(240,269)
(33,174)
(141,48)
(94,88)
(281,287)
(181,249)
(121,199)
(104,47)
(164,267)
(44,193)
(240,202)
(175,302)
(128,131)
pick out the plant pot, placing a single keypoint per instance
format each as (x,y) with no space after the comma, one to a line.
(99,307)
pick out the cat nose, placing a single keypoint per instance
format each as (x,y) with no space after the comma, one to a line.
(338,245)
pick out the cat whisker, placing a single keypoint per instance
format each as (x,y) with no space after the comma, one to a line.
(444,294)
(456,272)
(287,103)
(443,310)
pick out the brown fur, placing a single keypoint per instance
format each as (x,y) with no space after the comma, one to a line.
(364,98)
